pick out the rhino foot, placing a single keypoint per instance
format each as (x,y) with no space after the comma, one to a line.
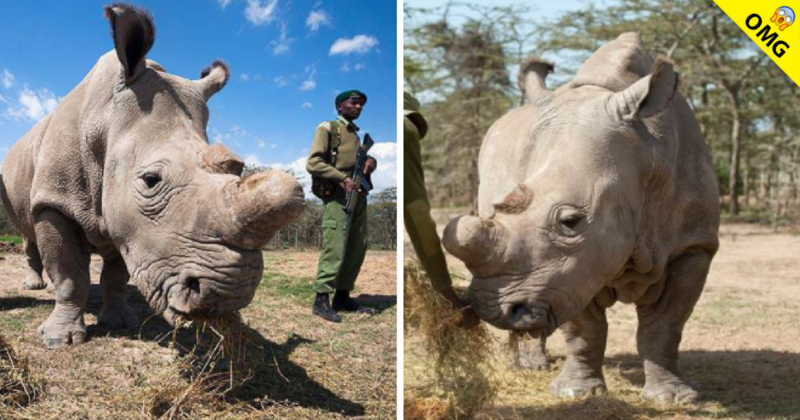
(59,331)
(33,281)
(574,388)
(118,316)
(528,361)
(670,392)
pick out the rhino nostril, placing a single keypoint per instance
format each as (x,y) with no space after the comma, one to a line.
(517,313)
(192,283)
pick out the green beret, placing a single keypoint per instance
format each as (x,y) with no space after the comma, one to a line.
(351,94)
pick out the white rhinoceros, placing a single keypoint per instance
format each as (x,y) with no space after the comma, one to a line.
(123,169)
(603,191)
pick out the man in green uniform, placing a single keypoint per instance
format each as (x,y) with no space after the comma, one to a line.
(332,159)
(417,210)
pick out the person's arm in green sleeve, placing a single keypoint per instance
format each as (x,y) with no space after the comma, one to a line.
(420,225)
(316,164)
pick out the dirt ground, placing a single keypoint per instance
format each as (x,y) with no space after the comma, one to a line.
(298,366)
(741,347)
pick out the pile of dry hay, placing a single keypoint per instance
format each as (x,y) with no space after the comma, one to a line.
(213,367)
(18,387)
(464,382)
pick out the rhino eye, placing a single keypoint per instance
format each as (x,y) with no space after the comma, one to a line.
(572,221)
(151,180)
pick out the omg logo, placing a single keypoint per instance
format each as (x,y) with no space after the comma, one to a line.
(783,18)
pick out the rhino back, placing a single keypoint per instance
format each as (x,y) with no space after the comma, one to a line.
(58,164)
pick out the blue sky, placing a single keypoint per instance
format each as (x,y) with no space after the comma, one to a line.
(288,60)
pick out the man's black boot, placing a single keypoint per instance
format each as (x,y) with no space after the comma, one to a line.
(343,302)
(322,308)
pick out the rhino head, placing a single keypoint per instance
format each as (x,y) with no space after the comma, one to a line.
(189,227)
(564,186)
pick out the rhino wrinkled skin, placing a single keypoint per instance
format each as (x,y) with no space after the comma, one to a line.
(599,192)
(123,169)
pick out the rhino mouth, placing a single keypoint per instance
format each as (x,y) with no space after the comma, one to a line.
(207,295)
(519,305)
(206,286)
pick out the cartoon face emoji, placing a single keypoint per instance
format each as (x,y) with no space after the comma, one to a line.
(784,17)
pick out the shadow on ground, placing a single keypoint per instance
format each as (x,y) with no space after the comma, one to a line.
(379,303)
(16,302)
(273,377)
(763,383)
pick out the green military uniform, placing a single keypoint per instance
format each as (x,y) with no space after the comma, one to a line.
(416,207)
(342,252)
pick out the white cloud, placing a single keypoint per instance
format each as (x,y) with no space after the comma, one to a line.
(273,146)
(359,67)
(345,67)
(283,44)
(3,99)
(8,79)
(259,14)
(261,143)
(224,3)
(244,76)
(307,105)
(309,83)
(33,105)
(318,18)
(252,159)
(386,174)
(360,44)
(280,81)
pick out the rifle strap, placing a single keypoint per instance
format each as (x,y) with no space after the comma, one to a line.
(334,141)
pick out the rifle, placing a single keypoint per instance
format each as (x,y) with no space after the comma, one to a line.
(362,182)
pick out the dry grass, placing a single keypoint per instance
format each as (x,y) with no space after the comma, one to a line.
(276,361)
(18,386)
(741,347)
(461,360)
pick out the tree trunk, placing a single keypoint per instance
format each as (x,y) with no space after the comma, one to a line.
(736,140)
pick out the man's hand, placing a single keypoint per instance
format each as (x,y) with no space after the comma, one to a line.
(349,185)
(470,318)
(370,165)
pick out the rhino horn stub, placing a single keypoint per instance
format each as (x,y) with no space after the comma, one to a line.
(472,239)
(134,34)
(213,78)
(648,96)
(221,160)
(531,79)
(514,201)
(260,205)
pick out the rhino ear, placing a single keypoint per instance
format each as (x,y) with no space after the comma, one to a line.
(213,78)
(133,33)
(531,79)
(647,97)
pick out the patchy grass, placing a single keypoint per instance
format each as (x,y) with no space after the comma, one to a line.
(16,240)
(741,347)
(284,362)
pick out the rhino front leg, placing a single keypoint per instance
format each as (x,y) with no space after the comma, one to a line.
(586,346)
(66,255)
(33,280)
(113,281)
(527,353)
(661,327)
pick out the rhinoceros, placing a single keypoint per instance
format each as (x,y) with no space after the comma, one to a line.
(123,168)
(599,192)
